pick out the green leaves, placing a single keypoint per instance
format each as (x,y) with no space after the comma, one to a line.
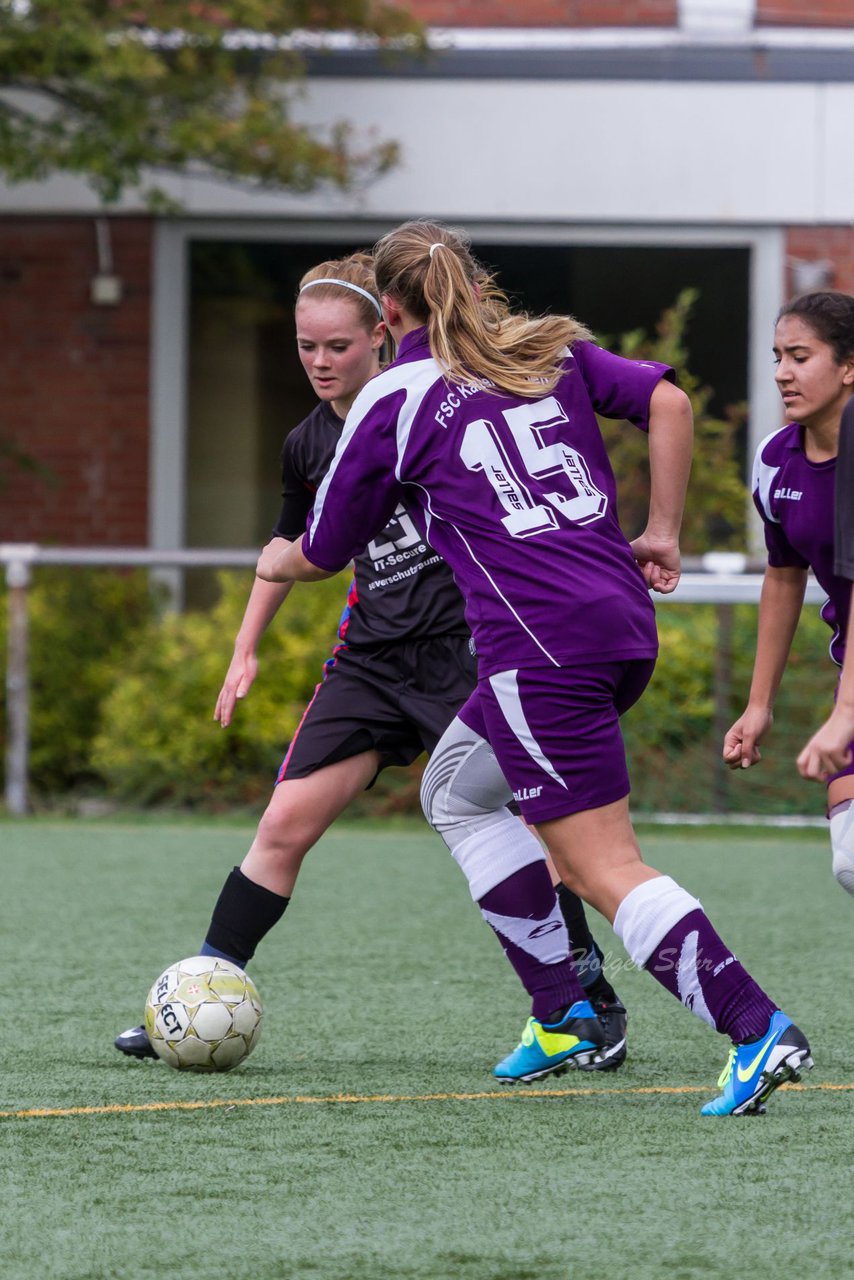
(718,499)
(114,90)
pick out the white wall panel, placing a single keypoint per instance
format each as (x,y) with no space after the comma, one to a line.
(608,151)
(837,138)
(611,152)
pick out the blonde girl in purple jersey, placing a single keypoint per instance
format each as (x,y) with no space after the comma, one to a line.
(402,668)
(486,422)
(794,484)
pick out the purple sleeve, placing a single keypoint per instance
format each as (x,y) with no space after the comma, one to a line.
(619,388)
(844,501)
(360,491)
(781,553)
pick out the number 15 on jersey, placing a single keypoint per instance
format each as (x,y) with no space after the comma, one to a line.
(575,495)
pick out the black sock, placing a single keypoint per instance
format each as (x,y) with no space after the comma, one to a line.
(244,913)
(585,951)
(600,988)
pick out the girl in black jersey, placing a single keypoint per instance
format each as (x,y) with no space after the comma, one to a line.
(403,666)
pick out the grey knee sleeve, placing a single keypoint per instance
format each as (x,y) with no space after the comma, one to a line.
(464,796)
(842,844)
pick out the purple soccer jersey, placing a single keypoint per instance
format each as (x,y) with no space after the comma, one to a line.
(795,498)
(517,495)
(844,533)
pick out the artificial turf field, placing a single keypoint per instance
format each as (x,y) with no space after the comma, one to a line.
(364,1139)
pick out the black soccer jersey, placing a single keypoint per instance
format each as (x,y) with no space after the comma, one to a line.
(844,530)
(401,589)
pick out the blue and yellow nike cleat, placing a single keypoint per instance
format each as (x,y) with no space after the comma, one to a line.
(549,1048)
(757,1068)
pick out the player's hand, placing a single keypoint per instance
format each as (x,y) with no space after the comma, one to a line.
(828,750)
(268,557)
(659,561)
(741,743)
(238,681)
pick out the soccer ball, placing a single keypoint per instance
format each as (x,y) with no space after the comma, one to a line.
(203,1014)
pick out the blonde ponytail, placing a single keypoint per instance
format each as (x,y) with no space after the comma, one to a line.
(429,269)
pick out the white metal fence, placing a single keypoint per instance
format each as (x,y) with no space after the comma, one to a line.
(720,580)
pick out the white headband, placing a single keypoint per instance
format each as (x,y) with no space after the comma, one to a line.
(345,284)
(434,247)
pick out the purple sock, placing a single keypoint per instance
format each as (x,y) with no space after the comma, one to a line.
(524,913)
(694,965)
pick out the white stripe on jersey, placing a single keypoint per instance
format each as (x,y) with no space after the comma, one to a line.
(763,477)
(506,689)
(415,378)
(420,379)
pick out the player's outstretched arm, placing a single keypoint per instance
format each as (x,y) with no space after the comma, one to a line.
(779,610)
(829,749)
(265,600)
(671,435)
(283,561)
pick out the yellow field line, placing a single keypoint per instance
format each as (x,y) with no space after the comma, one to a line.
(126,1108)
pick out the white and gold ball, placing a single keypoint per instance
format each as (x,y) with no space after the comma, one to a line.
(203,1014)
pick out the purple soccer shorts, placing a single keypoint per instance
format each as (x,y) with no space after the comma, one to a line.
(556,732)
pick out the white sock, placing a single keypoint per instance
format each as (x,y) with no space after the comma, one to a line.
(648,913)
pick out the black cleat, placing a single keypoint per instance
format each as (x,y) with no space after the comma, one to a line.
(613,1018)
(135,1043)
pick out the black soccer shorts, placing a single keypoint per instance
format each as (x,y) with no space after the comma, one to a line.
(397,699)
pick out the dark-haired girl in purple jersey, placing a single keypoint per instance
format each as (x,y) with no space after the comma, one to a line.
(486,425)
(793,488)
(402,668)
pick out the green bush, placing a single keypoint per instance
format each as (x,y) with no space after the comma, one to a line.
(158,741)
(83,624)
(718,501)
(123,696)
(674,735)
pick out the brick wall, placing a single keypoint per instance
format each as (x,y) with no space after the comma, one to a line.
(545,13)
(616,13)
(799,13)
(73,384)
(823,244)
